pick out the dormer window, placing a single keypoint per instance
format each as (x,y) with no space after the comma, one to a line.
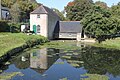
(38,15)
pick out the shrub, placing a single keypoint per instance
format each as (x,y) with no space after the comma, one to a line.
(4,27)
(14,27)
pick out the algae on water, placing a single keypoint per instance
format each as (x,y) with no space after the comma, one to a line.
(10,75)
(94,77)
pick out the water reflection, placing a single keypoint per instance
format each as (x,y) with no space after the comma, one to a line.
(39,59)
(102,61)
(60,63)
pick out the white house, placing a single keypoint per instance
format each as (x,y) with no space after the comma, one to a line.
(43,21)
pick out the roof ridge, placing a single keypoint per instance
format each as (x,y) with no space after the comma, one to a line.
(44,8)
(39,9)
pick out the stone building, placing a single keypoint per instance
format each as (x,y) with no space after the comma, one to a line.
(44,21)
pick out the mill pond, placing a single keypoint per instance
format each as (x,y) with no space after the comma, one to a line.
(48,63)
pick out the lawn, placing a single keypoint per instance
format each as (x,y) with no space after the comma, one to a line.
(113,43)
(9,41)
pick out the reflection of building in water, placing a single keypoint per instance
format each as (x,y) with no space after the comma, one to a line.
(43,58)
(39,59)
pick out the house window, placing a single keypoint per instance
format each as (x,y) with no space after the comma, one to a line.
(38,28)
(38,16)
(70,34)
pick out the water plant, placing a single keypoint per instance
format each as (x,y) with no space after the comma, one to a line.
(10,75)
(94,77)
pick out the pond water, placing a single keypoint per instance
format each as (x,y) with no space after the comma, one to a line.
(83,63)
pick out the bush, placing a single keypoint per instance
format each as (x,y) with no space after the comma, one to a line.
(4,27)
(33,41)
(14,27)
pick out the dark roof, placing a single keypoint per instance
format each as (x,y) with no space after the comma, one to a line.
(44,10)
(70,26)
(39,10)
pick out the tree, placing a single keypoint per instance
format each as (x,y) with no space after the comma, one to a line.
(25,8)
(77,9)
(15,12)
(60,14)
(7,3)
(115,10)
(101,4)
(20,9)
(100,23)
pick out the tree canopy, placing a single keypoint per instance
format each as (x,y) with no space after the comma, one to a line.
(77,9)
(101,4)
(100,22)
(60,14)
(20,9)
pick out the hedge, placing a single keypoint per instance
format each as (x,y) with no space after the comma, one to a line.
(4,27)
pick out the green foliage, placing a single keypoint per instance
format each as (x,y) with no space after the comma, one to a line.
(101,61)
(101,4)
(100,23)
(115,10)
(4,27)
(7,3)
(15,12)
(14,27)
(25,8)
(20,9)
(60,14)
(112,44)
(9,41)
(77,9)
(10,75)
(95,77)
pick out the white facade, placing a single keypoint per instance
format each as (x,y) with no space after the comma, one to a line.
(42,22)
(45,20)
(39,60)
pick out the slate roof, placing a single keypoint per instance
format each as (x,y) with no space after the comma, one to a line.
(44,10)
(70,26)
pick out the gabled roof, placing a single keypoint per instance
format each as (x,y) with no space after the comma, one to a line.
(39,10)
(70,26)
(44,10)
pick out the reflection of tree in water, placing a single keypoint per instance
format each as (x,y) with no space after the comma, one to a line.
(21,64)
(48,55)
(3,67)
(101,61)
(75,62)
(73,58)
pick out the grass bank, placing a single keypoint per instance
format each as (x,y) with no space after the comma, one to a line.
(9,41)
(113,43)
